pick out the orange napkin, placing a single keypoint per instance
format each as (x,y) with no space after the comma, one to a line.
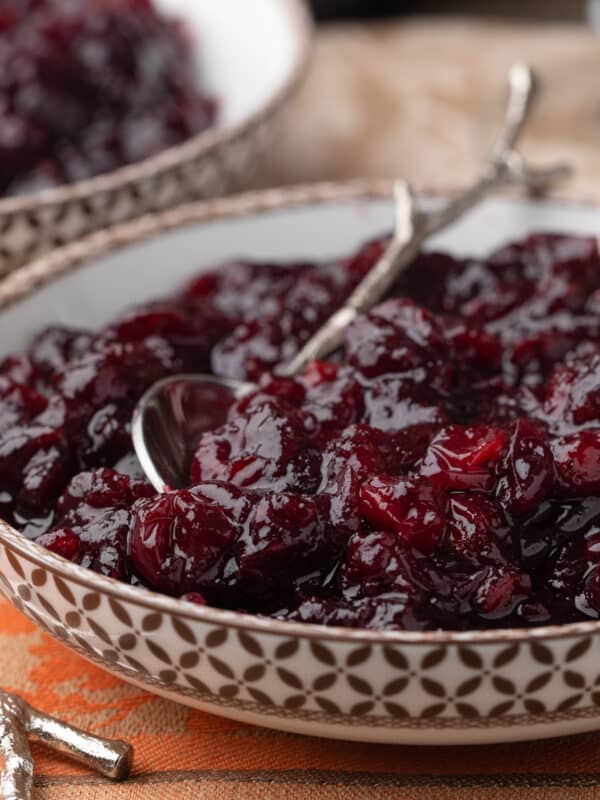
(188,755)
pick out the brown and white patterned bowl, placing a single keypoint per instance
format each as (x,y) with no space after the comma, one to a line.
(420,688)
(251,57)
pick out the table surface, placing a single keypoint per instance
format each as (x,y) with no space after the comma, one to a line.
(417,98)
(420,99)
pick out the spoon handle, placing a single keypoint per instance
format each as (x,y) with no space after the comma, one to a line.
(16,775)
(401,251)
(18,720)
(112,758)
(504,166)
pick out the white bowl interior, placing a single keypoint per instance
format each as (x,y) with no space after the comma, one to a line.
(92,295)
(246,50)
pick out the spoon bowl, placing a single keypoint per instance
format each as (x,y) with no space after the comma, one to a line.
(170,418)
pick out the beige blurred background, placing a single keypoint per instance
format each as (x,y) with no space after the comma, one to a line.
(417,94)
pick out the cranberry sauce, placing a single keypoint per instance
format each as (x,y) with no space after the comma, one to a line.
(441,471)
(87,86)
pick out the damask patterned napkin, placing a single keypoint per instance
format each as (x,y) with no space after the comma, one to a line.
(188,755)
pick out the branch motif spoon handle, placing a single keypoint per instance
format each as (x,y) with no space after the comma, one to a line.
(505,166)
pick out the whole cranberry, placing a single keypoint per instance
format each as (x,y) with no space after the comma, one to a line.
(64,542)
(436,281)
(499,591)
(18,368)
(493,401)
(259,345)
(100,488)
(178,540)
(18,404)
(591,593)
(356,449)
(375,562)
(284,537)
(190,335)
(236,290)
(103,543)
(166,320)
(19,444)
(462,457)
(409,507)
(118,373)
(195,597)
(396,611)
(577,461)
(404,448)
(392,611)
(330,611)
(54,347)
(289,390)
(44,477)
(475,348)
(400,337)
(533,346)
(333,400)
(95,508)
(477,529)
(573,392)
(317,291)
(563,576)
(526,472)
(568,267)
(263,448)
(347,463)
(393,403)
(107,436)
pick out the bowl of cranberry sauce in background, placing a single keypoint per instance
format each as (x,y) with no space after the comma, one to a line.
(112,109)
(427,500)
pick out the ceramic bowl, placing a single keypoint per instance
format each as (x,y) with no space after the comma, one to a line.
(251,56)
(418,688)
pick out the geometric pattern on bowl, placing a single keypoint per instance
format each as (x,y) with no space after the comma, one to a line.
(373,690)
(398,687)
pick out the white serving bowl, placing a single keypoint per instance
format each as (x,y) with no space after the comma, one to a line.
(415,688)
(251,56)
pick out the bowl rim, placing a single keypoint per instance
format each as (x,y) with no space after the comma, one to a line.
(57,263)
(302,28)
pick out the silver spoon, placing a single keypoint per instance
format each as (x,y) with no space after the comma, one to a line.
(174,412)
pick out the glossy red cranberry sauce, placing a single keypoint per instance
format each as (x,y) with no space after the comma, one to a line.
(87,86)
(442,471)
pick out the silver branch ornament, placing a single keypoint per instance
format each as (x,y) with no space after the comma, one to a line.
(112,758)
